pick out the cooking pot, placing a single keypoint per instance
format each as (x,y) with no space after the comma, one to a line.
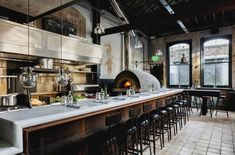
(4,100)
(8,100)
(43,62)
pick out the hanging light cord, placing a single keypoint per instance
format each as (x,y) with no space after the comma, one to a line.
(28,29)
(61,16)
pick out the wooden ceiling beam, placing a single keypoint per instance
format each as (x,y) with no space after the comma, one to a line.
(149,22)
(119,29)
(167,32)
(203,8)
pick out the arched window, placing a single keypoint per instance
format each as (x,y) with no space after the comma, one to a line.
(216,62)
(179,62)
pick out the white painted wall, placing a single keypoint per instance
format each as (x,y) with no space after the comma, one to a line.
(111,63)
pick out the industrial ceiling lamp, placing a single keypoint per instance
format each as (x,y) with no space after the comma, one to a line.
(98,29)
(28,78)
(62,78)
(137,43)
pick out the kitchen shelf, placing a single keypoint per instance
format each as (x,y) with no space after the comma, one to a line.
(44,93)
(8,76)
(84,72)
(83,87)
(45,70)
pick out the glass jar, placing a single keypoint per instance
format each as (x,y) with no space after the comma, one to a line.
(62,78)
(28,78)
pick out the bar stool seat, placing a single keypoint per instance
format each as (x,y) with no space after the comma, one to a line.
(222,98)
(164,124)
(111,143)
(155,130)
(129,138)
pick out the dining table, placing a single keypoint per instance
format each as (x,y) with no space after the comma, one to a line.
(204,94)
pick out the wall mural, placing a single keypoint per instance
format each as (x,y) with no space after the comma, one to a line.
(109,57)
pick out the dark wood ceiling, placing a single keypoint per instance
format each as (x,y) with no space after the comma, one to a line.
(150,17)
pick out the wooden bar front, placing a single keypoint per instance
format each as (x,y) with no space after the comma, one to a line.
(66,136)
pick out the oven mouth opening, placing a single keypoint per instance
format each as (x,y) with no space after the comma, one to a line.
(126,84)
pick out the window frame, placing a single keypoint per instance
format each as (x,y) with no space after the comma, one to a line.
(202,41)
(168,63)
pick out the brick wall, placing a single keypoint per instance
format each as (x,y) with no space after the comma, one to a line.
(160,43)
(3,81)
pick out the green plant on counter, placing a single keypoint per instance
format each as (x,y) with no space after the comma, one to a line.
(55,99)
(76,98)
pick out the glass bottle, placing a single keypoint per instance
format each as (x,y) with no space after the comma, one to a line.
(102,94)
(70,98)
(105,93)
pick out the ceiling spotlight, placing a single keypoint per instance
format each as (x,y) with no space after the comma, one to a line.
(182,26)
(169,9)
(167,6)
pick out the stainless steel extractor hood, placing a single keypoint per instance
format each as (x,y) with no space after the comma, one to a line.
(15,38)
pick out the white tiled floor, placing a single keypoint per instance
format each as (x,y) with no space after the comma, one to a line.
(203,136)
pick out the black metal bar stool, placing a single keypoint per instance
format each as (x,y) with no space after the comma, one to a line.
(184,105)
(155,130)
(171,119)
(110,146)
(129,139)
(164,124)
(175,116)
(222,103)
(179,114)
(144,129)
(206,103)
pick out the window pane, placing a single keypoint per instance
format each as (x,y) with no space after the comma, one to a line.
(179,69)
(217,49)
(209,74)
(184,74)
(174,75)
(216,62)
(222,74)
(177,51)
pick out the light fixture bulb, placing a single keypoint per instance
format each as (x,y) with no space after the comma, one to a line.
(99,29)
(158,52)
(137,44)
(28,78)
(62,78)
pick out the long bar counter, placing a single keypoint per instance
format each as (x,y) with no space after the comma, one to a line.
(29,130)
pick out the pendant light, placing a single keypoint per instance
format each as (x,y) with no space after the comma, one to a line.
(137,43)
(62,77)
(28,78)
(98,29)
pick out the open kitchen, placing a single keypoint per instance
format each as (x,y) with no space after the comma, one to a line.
(116,77)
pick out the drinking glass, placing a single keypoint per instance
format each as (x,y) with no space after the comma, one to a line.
(64,100)
(98,96)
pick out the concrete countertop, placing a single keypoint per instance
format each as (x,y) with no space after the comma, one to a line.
(13,122)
